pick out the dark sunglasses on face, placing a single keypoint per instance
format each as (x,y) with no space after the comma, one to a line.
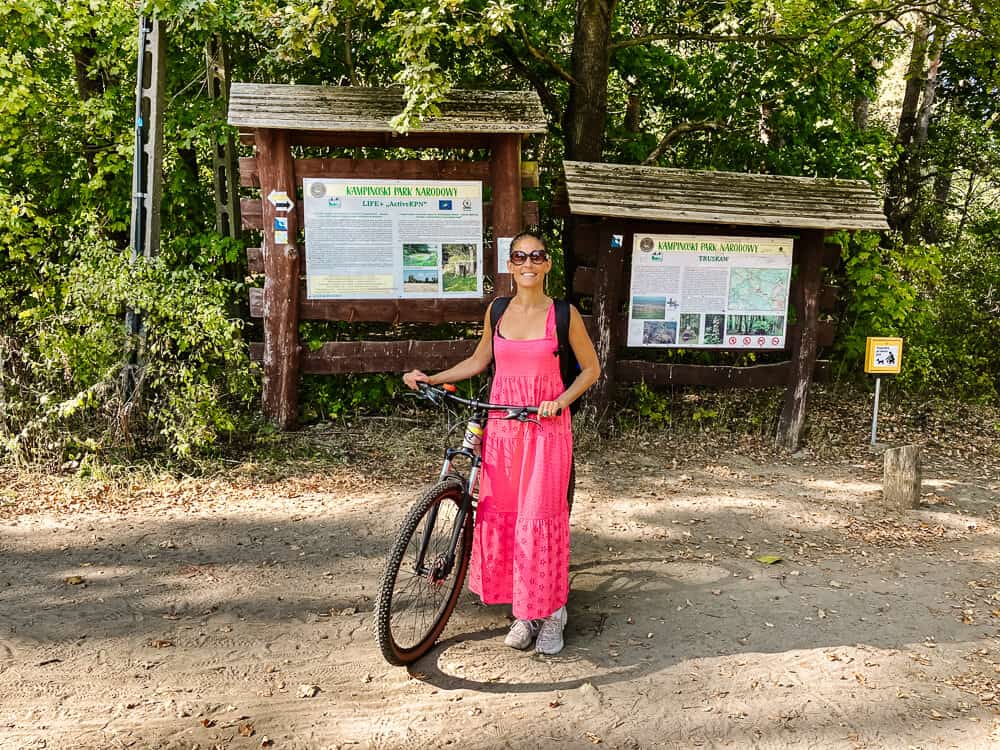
(519,257)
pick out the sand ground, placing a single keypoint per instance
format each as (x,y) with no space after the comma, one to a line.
(235,611)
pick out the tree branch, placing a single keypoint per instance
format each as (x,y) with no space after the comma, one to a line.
(543,57)
(550,102)
(676,132)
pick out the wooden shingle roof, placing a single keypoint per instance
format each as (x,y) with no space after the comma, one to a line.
(690,196)
(368,110)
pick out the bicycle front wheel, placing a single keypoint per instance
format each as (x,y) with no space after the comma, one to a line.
(424,573)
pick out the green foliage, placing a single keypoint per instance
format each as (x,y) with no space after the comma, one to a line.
(62,390)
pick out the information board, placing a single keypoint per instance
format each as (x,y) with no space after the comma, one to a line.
(691,291)
(377,239)
(883,355)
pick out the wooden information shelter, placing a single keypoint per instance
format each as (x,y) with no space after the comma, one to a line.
(613,202)
(277,119)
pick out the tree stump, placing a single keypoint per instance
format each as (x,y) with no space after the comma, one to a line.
(901,477)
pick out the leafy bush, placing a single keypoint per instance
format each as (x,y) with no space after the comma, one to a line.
(61,385)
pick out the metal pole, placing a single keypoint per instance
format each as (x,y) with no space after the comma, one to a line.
(146,172)
(133,322)
(878,382)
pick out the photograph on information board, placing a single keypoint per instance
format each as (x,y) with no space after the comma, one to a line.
(378,239)
(691,291)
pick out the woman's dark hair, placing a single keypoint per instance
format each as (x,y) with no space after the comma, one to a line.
(521,235)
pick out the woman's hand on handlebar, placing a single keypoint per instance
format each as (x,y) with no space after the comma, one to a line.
(413,377)
(550,409)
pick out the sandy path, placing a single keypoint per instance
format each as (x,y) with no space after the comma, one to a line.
(192,623)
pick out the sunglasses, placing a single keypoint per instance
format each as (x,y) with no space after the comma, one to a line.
(519,257)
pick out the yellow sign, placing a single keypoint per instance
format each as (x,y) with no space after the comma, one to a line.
(883,355)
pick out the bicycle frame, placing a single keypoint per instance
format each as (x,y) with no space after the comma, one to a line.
(471,449)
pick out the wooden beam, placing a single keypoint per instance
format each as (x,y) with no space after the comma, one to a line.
(608,286)
(255,261)
(337,357)
(326,139)
(808,251)
(381,310)
(451,311)
(583,281)
(507,216)
(662,373)
(281,283)
(390,169)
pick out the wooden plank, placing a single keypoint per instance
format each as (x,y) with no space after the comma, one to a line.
(255,260)
(831,255)
(381,310)
(828,298)
(809,251)
(656,193)
(608,293)
(456,311)
(390,169)
(252,216)
(506,212)
(662,373)
(326,139)
(715,216)
(336,357)
(281,285)
(364,109)
(583,280)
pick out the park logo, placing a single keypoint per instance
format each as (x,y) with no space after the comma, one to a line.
(466,205)
(317,189)
(646,244)
(444,205)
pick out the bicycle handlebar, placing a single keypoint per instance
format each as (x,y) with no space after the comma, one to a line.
(435,393)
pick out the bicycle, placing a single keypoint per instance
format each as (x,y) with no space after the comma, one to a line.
(428,561)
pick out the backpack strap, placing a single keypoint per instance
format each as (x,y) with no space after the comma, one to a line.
(562,327)
(496,312)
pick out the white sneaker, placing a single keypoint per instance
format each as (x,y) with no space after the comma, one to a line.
(550,634)
(522,633)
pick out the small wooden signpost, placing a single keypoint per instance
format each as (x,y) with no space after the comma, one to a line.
(883,356)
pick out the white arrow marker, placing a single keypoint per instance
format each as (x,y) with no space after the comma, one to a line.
(280,200)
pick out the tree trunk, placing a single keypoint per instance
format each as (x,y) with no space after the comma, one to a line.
(587,111)
(588,97)
(904,181)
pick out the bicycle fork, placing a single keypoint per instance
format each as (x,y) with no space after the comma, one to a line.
(471,449)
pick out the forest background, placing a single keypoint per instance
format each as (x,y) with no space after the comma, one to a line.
(901,94)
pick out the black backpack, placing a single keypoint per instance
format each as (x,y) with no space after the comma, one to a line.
(569,368)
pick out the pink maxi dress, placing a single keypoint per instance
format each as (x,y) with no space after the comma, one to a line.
(520,547)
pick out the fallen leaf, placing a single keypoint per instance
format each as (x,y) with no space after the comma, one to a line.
(161,643)
(73,580)
(594,738)
(555,704)
(768,559)
(245,730)
(207,723)
(266,742)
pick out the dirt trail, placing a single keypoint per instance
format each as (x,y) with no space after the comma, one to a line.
(209,623)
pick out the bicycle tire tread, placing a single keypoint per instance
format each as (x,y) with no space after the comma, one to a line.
(451,486)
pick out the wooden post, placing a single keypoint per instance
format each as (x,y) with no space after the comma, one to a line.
(901,477)
(809,254)
(505,174)
(609,279)
(281,281)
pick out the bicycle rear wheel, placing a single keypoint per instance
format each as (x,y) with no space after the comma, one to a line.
(415,601)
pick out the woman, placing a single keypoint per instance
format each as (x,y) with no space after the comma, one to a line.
(520,551)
